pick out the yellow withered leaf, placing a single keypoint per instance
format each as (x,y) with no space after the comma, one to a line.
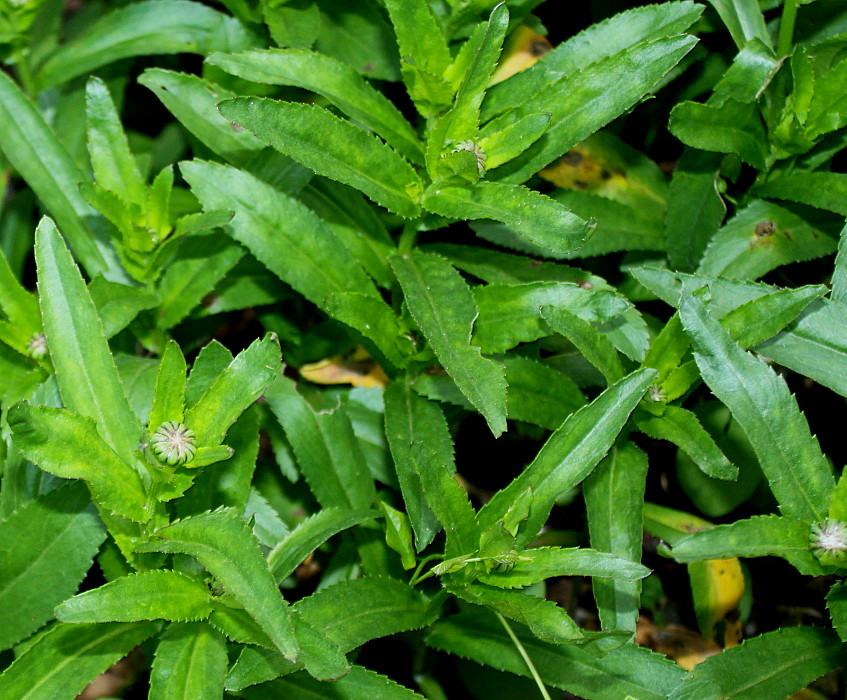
(357,368)
(522,49)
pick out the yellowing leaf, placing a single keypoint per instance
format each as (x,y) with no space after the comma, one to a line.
(521,50)
(717,585)
(357,368)
(679,643)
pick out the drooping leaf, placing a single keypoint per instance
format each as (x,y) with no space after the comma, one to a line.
(539,394)
(360,684)
(775,664)
(817,189)
(52,538)
(443,307)
(190,662)
(143,29)
(62,661)
(332,147)
(151,595)
(569,454)
(791,459)
(223,544)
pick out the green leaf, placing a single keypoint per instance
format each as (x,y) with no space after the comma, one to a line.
(331,147)
(144,29)
(283,234)
(169,399)
(733,127)
(319,655)
(682,428)
(113,164)
(799,474)
(35,152)
(360,684)
(51,539)
(531,215)
(223,544)
(587,100)
(512,314)
(193,101)
(398,535)
(61,662)
(238,386)
(748,76)
(744,20)
(190,662)
(508,143)
(20,308)
(836,603)
(695,208)
(817,189)
(84,365)
(311,534)
(211,361)
(599,41)
(826,108)
(152,595)
(594,347)
(614,502)
(759,238)
(775,664)
(334,80)
(628,671)
(539,394)
(839,274)
(759,536)
(545,619)
(118,304)
(68,445)
(444,309)
(422,450)
(570,454)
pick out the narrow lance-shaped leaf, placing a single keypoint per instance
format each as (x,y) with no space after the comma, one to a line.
(331,147)
(223,544)
(53,538)
(569,454)
(338,82)
(169,398)
(67,657)
(85,368)
(839,275)
(531,215)
(68,445)
(442,305)
(798,473)
(419,37)
(361,682)
(190,662)
(744,19)
(775,664)
(151,595)
(35,152)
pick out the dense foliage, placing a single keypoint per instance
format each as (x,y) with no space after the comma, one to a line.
(331,321)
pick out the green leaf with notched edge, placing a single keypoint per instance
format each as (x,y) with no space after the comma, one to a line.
(320,656)
(37,155)
(836,603)
(360,683)
(734,127)
(826,108)
(599,41)
(224,545)
(587,100)
(569,454)
(545,619)
(627,671)
(539,564)
(759,238)
(817,189)
(531,215)
(51,539)
(682,428)
(113,164)
(152,595)
(839,274)
(539,394)
(238,386)
(210,362)
(442,305)
(287,237)
(759,536)
(744,19)
(332,147)
(85,368)
(398,535)
(422,450)
(169,399)
(311,534)
(68,445)
(771,665)
(791,459)
(190,662)
(508,143)
(334,80)
(144,29)
(419,36)
(594,347)
(614,502)
(119,304)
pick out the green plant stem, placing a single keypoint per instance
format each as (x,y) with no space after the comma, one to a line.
(416,577)
(408,237)
(525,656)
(23,71)
(786,27)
